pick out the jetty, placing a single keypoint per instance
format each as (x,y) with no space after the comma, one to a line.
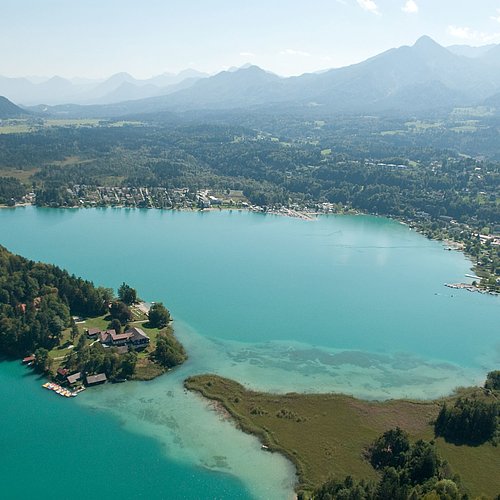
(61,390)
(469,287)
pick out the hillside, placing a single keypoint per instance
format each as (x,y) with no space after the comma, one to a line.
(9,110)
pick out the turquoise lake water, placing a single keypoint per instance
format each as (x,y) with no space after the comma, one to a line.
(352,304)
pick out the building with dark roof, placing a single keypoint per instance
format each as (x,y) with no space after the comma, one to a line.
(73,378)
(93,332)
(96,379)
(137,337)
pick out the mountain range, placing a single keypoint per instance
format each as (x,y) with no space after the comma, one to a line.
(419,78)
(30,91)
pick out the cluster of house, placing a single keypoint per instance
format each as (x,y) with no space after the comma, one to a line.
(133,337)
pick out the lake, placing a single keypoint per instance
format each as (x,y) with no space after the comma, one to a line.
(355,304)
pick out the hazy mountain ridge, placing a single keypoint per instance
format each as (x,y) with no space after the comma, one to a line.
(54,91)
(409,78)
(423,76)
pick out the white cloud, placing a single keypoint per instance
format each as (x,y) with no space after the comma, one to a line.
(410,7)
(471,35)
(247,54)
(292,52)
(497,17)
(369,5)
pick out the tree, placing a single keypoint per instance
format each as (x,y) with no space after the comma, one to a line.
(121,312)
(158,315)
(493,380)
(105,294)
(169,352)
(468,421)
(128,364)
(127,294)
(447,489)
(390,449)
(74,329)
(392,485)
(423,462)
(115,325)
(43,361)
(349,489)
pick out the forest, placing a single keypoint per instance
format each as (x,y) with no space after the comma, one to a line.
(397,174)
(37,302)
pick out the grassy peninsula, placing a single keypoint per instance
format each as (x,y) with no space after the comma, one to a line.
(328,435)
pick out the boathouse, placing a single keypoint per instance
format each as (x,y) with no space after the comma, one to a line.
(73,378)
(100,378)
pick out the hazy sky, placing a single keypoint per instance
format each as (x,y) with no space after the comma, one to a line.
(96,38)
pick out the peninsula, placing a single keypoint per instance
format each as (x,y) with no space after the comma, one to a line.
(332,436)
(76,333)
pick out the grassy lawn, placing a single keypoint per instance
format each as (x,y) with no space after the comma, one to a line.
(327,434)
(479,466)
(98,322)
(62,350)
(85,122)
(20,174)
(20,128)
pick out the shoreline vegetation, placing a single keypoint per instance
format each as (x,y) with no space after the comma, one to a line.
(329,436)
(78,334)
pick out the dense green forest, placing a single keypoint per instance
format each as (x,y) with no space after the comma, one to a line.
(469,421)
(37,301)
(400,174)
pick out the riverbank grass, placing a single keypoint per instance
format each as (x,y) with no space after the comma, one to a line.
(327,435)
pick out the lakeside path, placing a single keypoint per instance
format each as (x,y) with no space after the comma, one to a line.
(328,434)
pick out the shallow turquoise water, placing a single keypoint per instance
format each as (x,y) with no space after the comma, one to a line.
(59,449)
(353,304)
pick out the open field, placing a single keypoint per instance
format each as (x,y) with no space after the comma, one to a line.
(23,175)
(25,126)
(327,435)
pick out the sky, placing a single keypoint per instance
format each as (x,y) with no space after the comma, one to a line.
(97,38)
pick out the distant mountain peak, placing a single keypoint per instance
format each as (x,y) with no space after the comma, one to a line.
(123,76)
(248,67)
(426,42)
